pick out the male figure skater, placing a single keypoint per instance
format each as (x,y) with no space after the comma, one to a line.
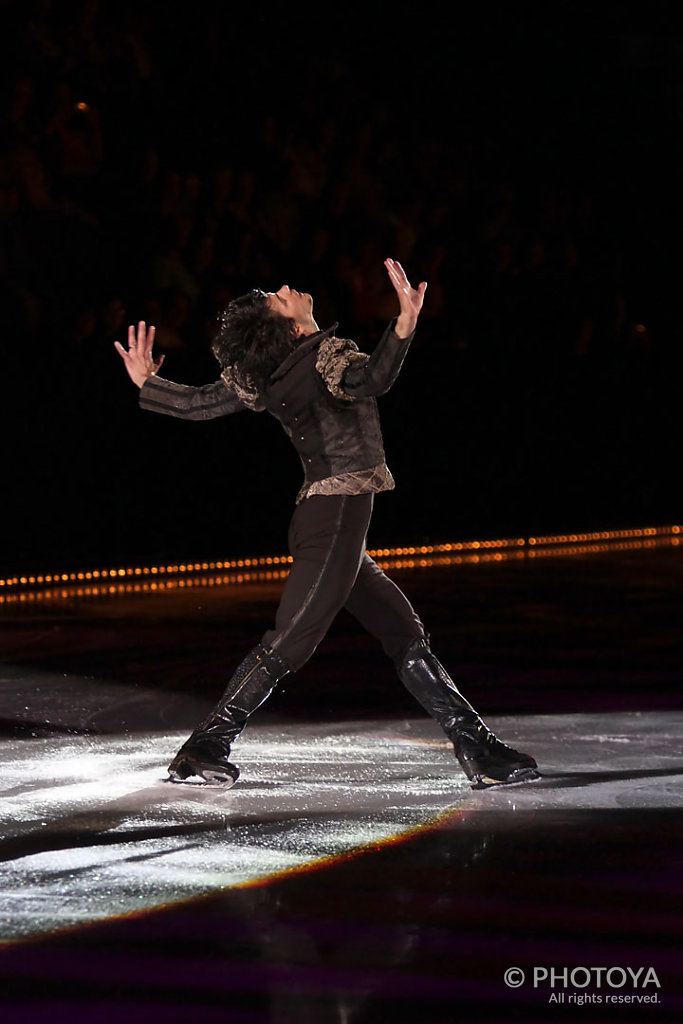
(323,391)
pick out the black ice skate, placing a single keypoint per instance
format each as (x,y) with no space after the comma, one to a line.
(205,756)
(485,760)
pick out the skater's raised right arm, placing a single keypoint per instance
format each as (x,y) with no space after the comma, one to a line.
(165,396)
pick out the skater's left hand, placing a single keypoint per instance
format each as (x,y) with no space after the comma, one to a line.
(410,299)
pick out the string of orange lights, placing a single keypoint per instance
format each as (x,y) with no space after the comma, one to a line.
(183,575)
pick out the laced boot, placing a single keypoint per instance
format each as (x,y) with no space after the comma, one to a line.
(485,760)
(206,754)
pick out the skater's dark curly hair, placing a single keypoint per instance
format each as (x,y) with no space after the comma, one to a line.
(253,339)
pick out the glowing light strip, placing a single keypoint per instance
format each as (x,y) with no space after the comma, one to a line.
(592,549)
(605,535)
(147,587)
(148,579)
(137,571)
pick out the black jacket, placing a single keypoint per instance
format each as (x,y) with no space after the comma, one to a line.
(323,394)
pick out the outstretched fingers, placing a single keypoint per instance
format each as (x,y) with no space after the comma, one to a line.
(141,342)
(400,281)
(138,357)
(409,297)
(122,351)
(397,275)
(147,340)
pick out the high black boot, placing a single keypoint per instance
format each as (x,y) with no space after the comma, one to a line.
(484,759)
(206,753)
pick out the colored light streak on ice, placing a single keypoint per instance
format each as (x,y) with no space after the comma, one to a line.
(447,818)
(94,832)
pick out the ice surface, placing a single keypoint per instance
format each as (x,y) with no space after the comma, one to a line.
(91,829)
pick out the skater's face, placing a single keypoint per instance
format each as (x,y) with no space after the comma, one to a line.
(297,306)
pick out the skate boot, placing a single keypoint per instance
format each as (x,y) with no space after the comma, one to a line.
(205,756)
(485,760)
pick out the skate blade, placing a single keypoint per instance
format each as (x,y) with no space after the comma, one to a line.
(193,774)
(521,775)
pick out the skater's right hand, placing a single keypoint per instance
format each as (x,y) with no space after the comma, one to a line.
(138,358)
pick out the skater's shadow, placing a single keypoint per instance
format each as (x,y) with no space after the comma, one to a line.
(103,829)
(579,779)
(50,840)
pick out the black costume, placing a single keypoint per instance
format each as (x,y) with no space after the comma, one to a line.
(324,395)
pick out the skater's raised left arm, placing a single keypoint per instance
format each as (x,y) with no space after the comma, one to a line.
(377,375)
(410,299)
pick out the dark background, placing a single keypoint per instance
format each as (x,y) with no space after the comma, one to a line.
(155,162)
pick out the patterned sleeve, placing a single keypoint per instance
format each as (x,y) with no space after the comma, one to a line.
(188,403)
(335,356)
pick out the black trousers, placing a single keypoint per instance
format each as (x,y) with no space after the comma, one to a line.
(331,570)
